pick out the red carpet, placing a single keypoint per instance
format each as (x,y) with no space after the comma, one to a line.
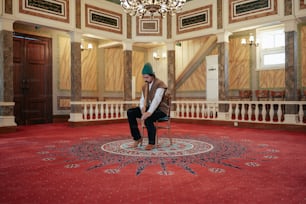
(55,163)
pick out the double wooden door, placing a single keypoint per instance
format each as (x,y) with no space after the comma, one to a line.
(32,79)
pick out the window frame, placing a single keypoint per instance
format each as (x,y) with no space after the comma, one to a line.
(260,52)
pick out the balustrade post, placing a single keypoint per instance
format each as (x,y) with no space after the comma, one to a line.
(121,111)
(230,111)
(112,111)
(106,111)
(256,112)
(236,111)
(187,110)
(198,110)
(178,110)
(249,111)
(279,113)
(85,112)
(263,112)
(102,110)
(242,111)
(301,113)
(271,112)
(97,111)
(183,110)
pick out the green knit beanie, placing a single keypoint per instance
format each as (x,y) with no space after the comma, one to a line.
(147,69)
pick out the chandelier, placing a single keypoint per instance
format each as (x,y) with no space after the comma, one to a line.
(141,7)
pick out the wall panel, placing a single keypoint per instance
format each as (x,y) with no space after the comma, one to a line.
(271,79)
(113,70)
(239,65)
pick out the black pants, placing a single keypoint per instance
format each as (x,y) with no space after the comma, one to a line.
(135,113)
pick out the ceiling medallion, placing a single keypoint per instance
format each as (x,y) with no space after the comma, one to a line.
(162,7)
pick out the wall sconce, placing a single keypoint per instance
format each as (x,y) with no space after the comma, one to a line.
(251,41)
(156,56)
(89,47)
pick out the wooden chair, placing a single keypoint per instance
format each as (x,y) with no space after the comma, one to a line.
(245,95)
(278,95)
(262,95)
(163,123)
(303,97)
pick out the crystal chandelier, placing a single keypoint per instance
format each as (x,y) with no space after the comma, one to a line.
(141,7)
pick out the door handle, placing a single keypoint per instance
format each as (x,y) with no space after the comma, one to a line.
(25,84)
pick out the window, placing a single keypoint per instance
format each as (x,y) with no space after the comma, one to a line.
(271,52)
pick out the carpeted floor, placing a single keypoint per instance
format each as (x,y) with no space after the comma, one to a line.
(55,163)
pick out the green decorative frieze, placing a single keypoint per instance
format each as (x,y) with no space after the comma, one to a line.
(54,7)
(246,7)
(251,9)
(51,9)
(104,19)
(194,20)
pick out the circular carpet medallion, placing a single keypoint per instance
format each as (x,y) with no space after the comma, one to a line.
(214,153)
(180,147)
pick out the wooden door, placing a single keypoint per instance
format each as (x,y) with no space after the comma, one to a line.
(32,79)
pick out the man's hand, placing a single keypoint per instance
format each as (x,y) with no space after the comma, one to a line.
(143,110)
(145,115)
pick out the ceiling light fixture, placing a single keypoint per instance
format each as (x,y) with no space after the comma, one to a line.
(141,7)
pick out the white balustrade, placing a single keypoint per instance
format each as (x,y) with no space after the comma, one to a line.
(239,111)
(242,111)
(110,110)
